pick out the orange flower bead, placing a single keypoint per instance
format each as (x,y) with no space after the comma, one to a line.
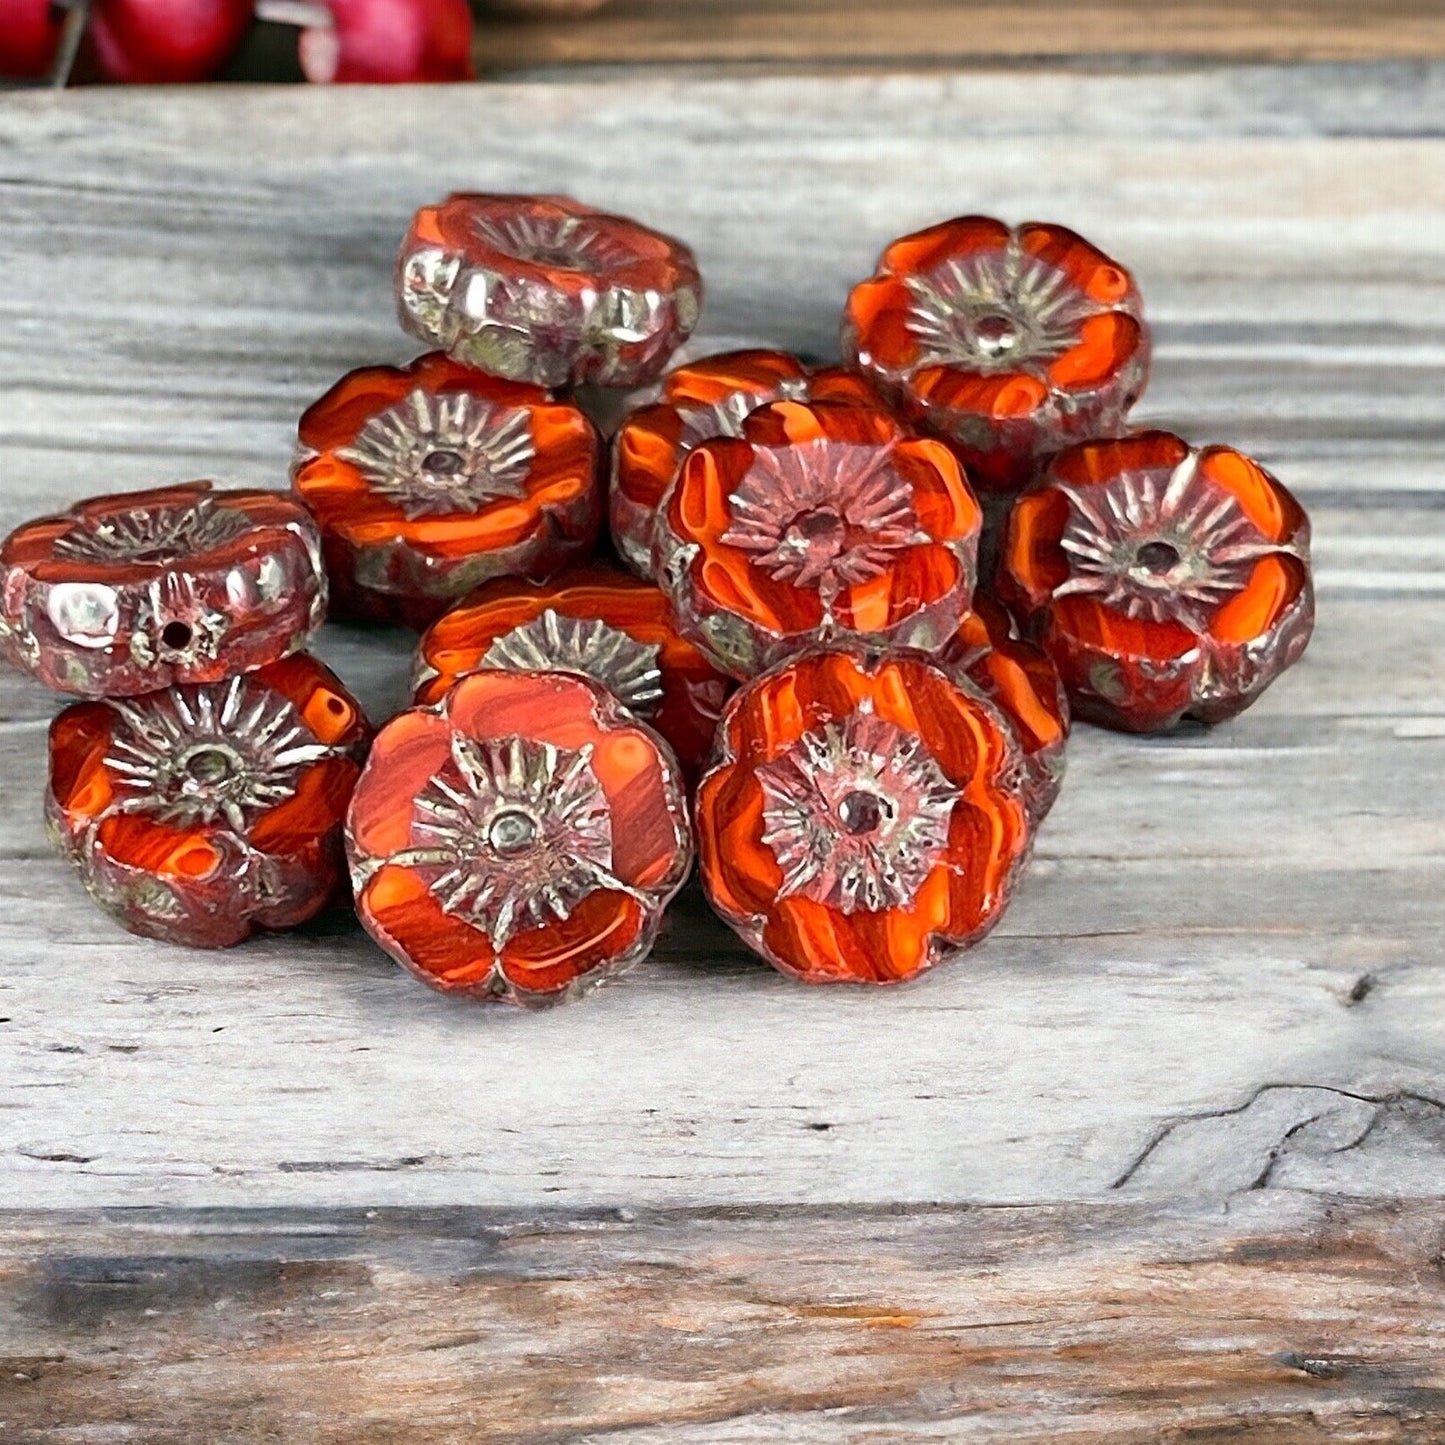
(595,620)
(131,592)
(431,478)
(1164,580)
(1013,343)
(694,403)
(546,290)
(1023,683)
(863,820)
(199,813)
(520,840)
(821,522)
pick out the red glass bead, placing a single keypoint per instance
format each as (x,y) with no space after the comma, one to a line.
(1164,580)
(595,620)
(200,813)
(133,592)
(1023,683)
(692,404)
(821,522)
(520,840)
(544,289)
(429,479)
(863,820)
(1013,343)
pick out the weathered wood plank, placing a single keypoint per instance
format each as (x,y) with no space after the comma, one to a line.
(1286,1320)
(1225,964)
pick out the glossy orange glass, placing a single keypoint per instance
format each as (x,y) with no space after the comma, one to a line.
(1023,682)
(200,813)
(864,820)
(1164,580)
(593,619)
(821,522)
(428,479)
(520,840)
(1013,342)
(708,398)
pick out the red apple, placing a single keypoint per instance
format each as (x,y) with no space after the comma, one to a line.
(165,41)
(390,40)
(29,33)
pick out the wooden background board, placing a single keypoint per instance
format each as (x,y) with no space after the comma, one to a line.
(1219,997)
(1289,1320)
(951,32)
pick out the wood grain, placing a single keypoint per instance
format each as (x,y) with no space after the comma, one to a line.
(1161,1162)
(1225,963)
(1287,1320)
(941,32)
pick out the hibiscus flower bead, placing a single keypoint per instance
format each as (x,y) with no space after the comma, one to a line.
(1022,681)
(593,619)
(544,289)
(428,479)
(1012,342)
(863,820)
(708,398)
(520,840)
(200,813)
(1164,580)
(132,592)
(823,521)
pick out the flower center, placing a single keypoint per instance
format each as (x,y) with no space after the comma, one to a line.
(629,669)
(856,813)
(511,831)
(436,452)
(862,812)
(220,753)
(1157,557)
(567,242)
(997,335)
(153,536)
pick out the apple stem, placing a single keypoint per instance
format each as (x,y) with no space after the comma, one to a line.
(77,17)
(304,14)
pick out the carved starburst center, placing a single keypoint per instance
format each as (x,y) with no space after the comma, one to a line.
(996,311)
(551,642)
(724,417)
(856,813)
(196,755)
(153,535)
(571,243)
(1159,544)
(514,833)
(821,515)
(445,452)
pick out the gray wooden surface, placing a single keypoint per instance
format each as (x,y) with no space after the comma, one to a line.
(1219,997)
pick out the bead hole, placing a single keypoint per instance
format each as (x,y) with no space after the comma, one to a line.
(209,765)
(512,831)
(861,812)
(1158,557)
(996,334)
(176,636)
(442,463)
